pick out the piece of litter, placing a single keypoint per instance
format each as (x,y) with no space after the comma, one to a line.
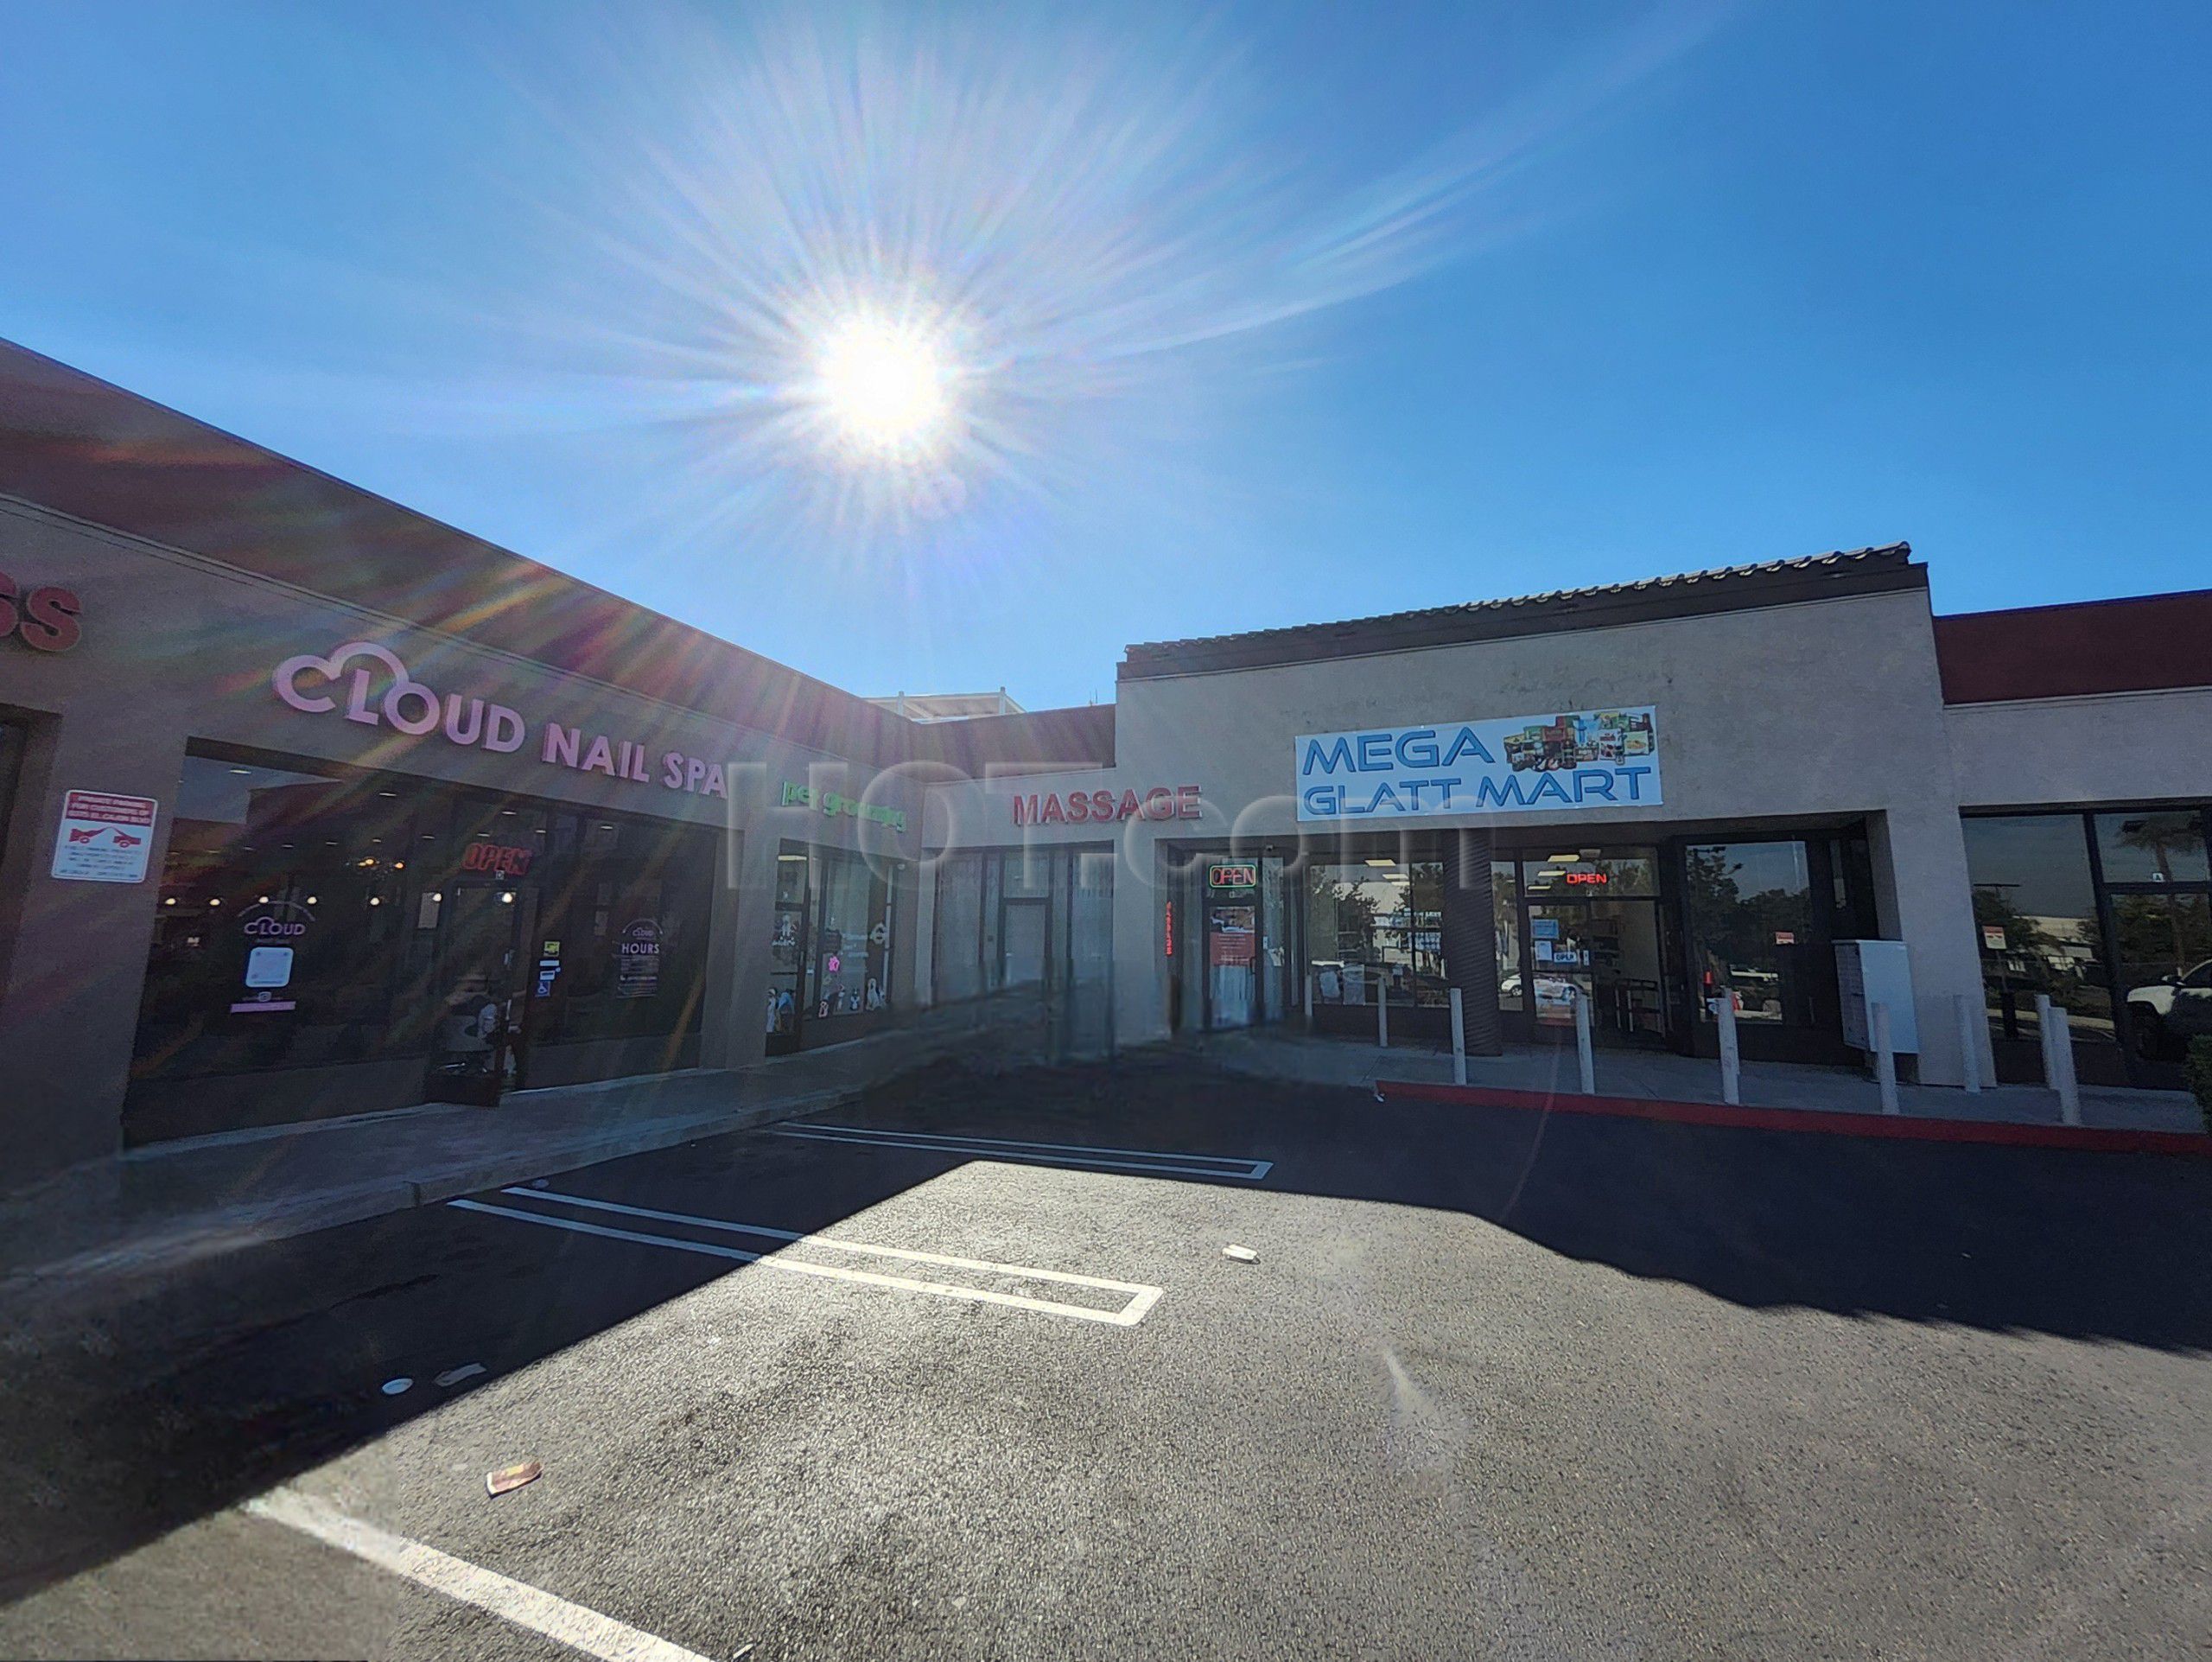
(511,1477)
(393,1387)
(453,1376)
(1242,1254)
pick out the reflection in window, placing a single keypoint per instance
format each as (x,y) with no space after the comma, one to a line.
(2035,910)
(2165,947)
(1505,922)
(1751,935)
(2151,848)
(1376,923)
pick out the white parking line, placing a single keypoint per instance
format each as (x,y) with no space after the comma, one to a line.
(1140,1300)
(1179,1162)
(525,1606)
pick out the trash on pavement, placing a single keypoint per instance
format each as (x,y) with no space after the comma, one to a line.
(1242,1254)
(453,1376)
(393,1387)
(512,1477)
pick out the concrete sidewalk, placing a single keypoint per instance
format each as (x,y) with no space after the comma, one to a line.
(1662,1076)
(169,1202)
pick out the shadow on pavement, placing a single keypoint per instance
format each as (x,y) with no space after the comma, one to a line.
(237,1373)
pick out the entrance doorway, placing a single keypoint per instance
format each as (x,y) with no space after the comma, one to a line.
(1591,927)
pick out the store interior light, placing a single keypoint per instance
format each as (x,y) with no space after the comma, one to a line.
(169,901)
(311,900)
(376,900)
(437,894)
(508,811)
(1373,861)
(242,770)
(1564,859)
(212,900)
(507,897)
(387,793)
(262,901)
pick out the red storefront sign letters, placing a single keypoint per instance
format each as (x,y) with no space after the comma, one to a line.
(1097,807)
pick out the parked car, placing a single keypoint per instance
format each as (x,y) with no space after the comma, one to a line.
(2171,1011)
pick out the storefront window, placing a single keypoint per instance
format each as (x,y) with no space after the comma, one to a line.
(2163,943)
(829,951)
(284,935)
(1505,915)
(958,956)
(1376,923)
(1752,936)
(852,940)
(2035,911)
(2151,848)
(306,918)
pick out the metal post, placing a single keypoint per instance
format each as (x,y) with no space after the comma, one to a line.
(1582,1041)
(1382,1012)
(1969,1041)
(1886,1061)
(1731,1058)
(2043,1040)
(1309,1001)
(1458,1040)
(2062,1051)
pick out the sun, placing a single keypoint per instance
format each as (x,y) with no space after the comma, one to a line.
(884,386)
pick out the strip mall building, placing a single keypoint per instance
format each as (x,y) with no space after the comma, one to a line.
(290,775)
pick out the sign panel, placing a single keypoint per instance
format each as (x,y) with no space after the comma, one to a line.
(1233,874)
(1516,764)
(104,838)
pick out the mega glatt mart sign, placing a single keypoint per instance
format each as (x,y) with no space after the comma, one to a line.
(1513,764)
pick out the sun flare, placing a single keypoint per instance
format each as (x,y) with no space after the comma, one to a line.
(885,386)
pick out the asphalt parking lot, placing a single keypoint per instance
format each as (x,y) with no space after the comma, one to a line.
(964,1371)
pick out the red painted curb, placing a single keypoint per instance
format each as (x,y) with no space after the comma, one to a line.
(1821,1121)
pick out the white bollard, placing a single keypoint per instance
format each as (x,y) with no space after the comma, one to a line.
(1582,1041)
(1383,1013)
(2062,1051)
(1885,1060)
(2043,1040)
(1458,1040)
(1309,1000)
(1970,1020)
(1732,1057)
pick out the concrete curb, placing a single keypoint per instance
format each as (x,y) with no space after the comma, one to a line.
(1817,1121)
(254,1223)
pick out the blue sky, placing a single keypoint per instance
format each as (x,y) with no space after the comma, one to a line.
(1268,314)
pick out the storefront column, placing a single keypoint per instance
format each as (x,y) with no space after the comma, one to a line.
(1923,896)
(734,1029)
(1470,937)
(75,954)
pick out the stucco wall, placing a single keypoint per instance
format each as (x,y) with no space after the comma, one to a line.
(175,649)
(1791,712)
(2122,747)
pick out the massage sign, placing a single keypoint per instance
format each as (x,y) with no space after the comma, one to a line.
(368,684)
(1105,807)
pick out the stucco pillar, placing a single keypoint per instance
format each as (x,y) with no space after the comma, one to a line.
(76,951)
(1922,897)
(734,1031)
(1470,937)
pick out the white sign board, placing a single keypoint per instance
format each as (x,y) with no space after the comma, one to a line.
(104,838)
(1516,764)
(1870,972)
